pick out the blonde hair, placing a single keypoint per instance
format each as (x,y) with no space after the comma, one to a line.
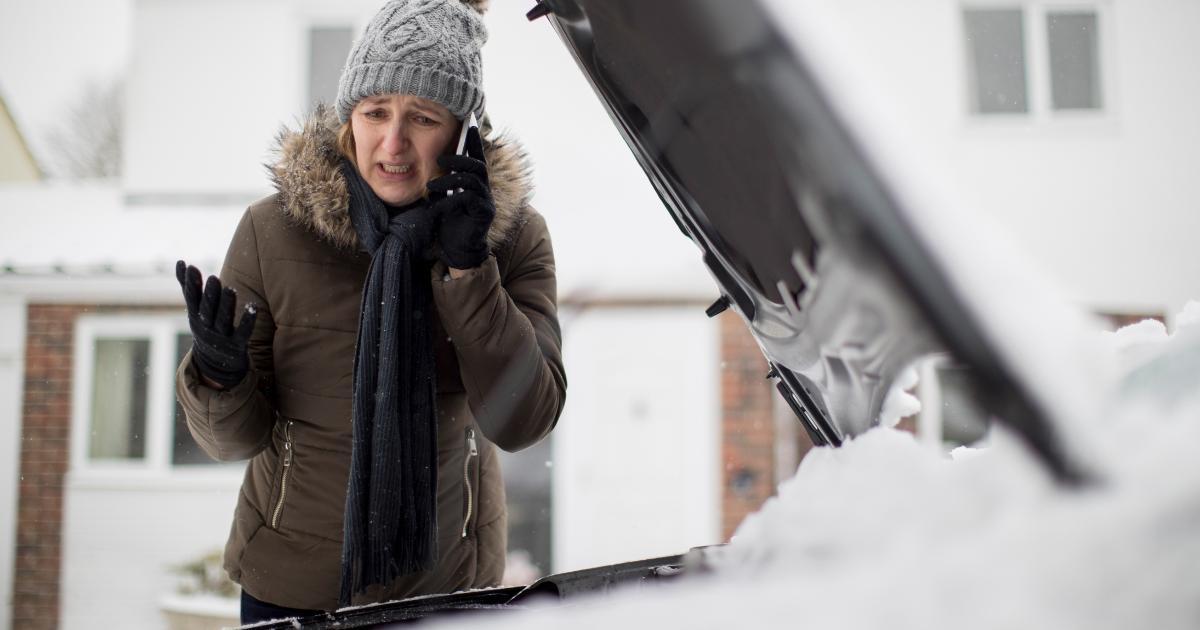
(345,142)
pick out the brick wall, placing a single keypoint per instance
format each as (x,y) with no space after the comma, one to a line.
(45,438)
(45,447)
(747,425)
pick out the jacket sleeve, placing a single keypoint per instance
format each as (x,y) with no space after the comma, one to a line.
(235,423)
(507,339)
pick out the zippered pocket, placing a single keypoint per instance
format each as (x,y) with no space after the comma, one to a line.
(286,460)
(472,451)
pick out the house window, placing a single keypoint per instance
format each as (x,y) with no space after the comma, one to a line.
(327,50)
(120,371)
(1074,60)
(951,412)
(1012,72)
(126,416)
(527,478)
(996,47)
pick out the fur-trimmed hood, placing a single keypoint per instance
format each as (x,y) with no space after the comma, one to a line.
(313,192)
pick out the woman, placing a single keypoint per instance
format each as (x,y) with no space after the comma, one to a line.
(398,319)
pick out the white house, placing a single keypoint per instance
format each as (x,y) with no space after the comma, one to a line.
(1071,123)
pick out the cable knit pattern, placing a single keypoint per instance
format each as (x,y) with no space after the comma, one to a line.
(427,48)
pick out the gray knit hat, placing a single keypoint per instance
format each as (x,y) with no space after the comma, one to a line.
(427,48)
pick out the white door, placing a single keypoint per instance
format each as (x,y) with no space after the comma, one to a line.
(636,453)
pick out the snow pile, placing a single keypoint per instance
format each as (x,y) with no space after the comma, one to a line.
(899,403)
(1159,366)
(886,533)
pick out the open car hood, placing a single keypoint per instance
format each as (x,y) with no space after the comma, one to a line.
(805,236)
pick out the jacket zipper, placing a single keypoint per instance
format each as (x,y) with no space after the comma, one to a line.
(287,463)
(472,452)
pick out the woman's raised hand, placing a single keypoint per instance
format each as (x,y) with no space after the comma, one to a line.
(467,214)
(219,349)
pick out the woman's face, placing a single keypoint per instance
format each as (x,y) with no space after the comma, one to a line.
(397,140)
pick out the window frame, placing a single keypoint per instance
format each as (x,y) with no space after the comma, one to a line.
(162,331)
(1035,22)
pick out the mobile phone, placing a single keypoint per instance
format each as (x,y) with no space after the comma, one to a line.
(462,135)
(462,140)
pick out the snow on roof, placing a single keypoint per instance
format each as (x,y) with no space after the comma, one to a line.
(60,229)
(89,230)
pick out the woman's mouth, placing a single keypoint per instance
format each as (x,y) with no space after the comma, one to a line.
(396,169)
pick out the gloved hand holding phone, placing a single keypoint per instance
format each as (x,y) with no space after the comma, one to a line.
(218,348)
(463,199)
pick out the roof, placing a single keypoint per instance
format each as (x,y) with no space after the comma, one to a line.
(60,231)
(16,160)
(73,235)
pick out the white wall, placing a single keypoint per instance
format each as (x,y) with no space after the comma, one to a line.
(637,455)
(12,374)
(1108,205)
(203,99)
(210,85)
(120,539)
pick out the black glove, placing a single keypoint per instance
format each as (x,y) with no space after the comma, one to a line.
(218,349)
(466,214)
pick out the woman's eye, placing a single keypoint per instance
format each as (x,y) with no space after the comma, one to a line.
(375,114)
(424,120)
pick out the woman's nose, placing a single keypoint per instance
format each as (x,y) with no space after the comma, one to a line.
(396,139)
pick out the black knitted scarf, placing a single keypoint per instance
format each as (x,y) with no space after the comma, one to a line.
(391,501)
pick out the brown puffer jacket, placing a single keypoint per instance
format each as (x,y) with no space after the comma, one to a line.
(499,368)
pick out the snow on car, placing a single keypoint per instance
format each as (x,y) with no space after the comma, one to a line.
(885,532)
